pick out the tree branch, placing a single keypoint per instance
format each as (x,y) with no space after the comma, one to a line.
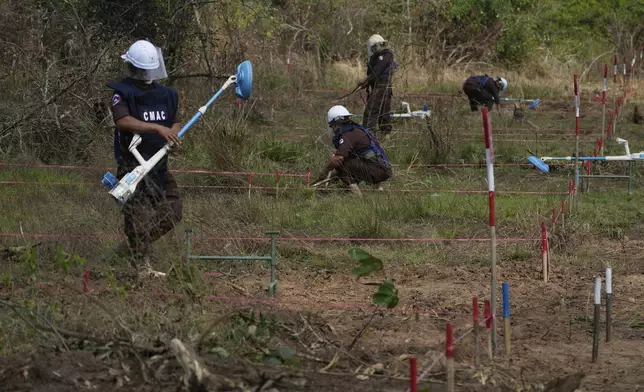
(54,97)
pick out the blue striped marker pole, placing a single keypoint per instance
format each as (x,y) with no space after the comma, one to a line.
(506,315)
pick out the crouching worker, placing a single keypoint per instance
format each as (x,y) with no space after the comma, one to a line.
(358,155)
(141,106)
(483,90)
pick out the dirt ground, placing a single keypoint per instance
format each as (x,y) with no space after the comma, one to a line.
(551,333)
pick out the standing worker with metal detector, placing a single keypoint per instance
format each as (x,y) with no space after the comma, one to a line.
(141,106)
(146,191)
(378,82)
(358,155)
(483,90)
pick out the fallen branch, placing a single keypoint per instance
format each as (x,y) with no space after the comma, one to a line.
(196,376)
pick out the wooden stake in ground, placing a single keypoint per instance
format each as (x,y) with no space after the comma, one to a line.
(596,315)
(488,327)
(489,157)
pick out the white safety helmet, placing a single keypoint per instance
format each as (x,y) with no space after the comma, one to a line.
(336,113)
(148,61)
(503,83)
(374,40)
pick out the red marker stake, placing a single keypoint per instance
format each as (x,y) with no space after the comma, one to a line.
(576,89)
(475,323)
(488,326)
(449,353)
(413,374)
(554,216)
(85,281)
(544,251)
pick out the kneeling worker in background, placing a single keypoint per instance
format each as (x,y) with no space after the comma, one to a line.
(358,155)
(483,90)
(140,106)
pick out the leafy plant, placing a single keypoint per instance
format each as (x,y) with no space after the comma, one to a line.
(368,263)
(64,261)
(387,294)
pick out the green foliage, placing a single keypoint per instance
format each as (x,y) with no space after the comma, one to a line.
(120,290)
(30,261)
(64,261)
(387,295)
(368,263)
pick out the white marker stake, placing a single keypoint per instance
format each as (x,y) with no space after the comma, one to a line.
(598,290)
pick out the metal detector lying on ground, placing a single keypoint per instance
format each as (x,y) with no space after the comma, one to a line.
(533,102)
(540,163)
(124,189)
(425,113)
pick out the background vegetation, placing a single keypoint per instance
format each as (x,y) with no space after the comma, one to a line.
(58,54)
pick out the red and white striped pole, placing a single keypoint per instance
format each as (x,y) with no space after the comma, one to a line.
(576,88)
(624,66)
(615,69)
(489,157)
(288,61)
(601,149)
(632,70)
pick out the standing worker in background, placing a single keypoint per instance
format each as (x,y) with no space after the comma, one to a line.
(358,155)
(378,82)
(483,90)
(141,106)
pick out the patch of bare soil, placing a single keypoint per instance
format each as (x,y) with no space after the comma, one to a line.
(318,315)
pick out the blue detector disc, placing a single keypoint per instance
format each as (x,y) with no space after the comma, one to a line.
(244,80)
(539,164)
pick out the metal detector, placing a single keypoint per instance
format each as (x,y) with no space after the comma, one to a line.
(124,189)
(533,102)
(540,163)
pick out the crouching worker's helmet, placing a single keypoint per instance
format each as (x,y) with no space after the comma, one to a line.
(502,83)
(144,61)
(337,116)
